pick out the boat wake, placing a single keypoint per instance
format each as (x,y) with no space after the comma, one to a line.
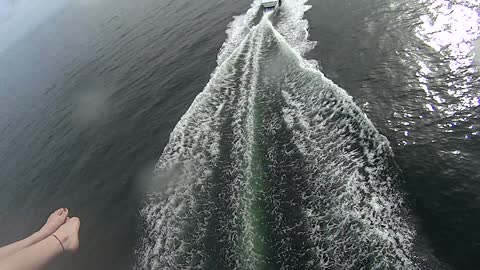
(274,167)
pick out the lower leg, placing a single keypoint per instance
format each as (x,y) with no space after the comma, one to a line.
(54,222)
(37,256)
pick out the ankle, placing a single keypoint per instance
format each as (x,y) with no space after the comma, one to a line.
(54,241)
(62,238)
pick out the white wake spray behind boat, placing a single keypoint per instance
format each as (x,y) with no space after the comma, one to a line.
(274,166)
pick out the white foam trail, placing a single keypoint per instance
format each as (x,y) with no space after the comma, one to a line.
(360,199)
(249,259)
(193,148)
(353,213)
(190,156)
(295,28)
(237,31)
(358,178)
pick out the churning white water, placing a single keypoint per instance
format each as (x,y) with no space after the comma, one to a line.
(274,166)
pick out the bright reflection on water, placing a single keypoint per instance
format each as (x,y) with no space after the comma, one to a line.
(451,29)
(415,70)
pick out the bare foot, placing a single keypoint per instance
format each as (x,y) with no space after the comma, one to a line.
(68,234)
(54,222)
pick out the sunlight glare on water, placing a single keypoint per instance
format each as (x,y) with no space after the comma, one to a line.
(451,29)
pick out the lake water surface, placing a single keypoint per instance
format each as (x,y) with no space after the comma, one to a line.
(207,135)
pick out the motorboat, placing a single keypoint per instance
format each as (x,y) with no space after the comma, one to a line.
(270,5)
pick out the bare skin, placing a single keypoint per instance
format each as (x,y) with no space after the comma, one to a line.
(39,255)
(55,220)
